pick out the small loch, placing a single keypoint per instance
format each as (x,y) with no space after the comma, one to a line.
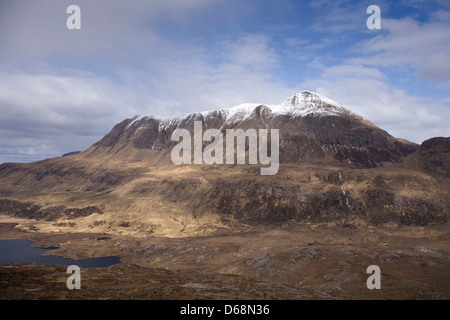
(21,251)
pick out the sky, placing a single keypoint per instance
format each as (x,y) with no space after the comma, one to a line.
(61,90)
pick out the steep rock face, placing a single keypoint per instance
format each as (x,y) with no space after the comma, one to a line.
(315,197)
(312,128)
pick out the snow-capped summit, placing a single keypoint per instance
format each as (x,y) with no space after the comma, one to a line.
(306,102)
(302,98)
(301,104)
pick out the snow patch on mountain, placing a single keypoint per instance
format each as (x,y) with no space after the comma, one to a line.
(307,102)
(237,113)
(299,105)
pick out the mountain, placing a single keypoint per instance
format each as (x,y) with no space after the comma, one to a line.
(313,129)
(335,167)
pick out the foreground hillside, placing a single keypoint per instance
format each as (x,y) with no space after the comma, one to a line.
(309,262)
(75,194)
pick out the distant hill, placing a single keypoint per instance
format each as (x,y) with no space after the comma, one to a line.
(71,153)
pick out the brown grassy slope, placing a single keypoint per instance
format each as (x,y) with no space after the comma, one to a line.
(140,199)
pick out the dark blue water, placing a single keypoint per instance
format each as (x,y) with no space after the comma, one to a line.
(17,251)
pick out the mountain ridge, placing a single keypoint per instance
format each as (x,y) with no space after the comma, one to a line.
(312,128)
(301,103)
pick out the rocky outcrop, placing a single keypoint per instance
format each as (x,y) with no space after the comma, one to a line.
(51,213)
(319,198)
(434,156)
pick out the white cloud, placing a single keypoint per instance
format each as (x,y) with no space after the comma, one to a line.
(250,52)
(436,66)
(244,71)
(36,31)
(407,43)
(340,17)
(353,70)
